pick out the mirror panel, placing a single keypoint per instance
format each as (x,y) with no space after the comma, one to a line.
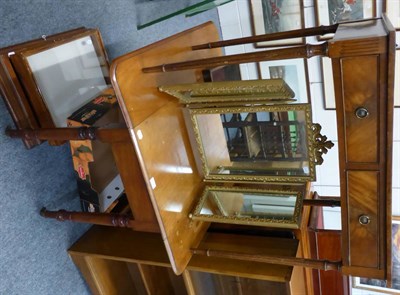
(258,143)
(68,76)
(239,205)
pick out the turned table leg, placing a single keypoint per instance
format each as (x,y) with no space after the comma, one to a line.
(80,133)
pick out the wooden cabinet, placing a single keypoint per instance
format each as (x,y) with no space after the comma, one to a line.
(122,261)
(363,77)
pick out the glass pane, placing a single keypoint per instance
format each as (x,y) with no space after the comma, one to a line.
(249,205)
(68,76)
(255,143)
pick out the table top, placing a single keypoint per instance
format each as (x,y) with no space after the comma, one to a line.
(160,137)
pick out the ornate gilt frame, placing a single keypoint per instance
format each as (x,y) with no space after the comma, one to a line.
(244,91)
(317,143)
(268,222)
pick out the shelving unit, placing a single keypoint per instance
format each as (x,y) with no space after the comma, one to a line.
(121,261)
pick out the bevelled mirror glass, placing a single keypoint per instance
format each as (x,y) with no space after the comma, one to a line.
(258,143)
(240,205)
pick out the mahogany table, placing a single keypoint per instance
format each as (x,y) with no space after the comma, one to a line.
(362,56)
(159,135)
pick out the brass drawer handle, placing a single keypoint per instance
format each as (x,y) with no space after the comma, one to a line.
(364,219)
(361,113)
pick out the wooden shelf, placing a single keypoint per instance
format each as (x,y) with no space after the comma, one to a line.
(122,261)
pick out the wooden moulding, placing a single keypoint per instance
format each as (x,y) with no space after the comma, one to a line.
(16,101)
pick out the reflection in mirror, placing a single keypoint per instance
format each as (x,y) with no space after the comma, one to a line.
(68,76)
(264,143)
(250,206)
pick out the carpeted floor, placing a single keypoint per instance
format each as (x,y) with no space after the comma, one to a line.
(33,257)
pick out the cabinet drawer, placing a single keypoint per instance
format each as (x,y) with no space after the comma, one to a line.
(363,218)
(361,109)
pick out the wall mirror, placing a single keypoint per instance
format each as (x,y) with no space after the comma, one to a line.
(241,205)
(259,143)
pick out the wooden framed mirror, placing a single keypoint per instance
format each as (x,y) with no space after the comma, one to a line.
(264,143)
(61,77)
(43,81)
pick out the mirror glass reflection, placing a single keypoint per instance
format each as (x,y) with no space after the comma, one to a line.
(249,206)
(270,143)
(68,76)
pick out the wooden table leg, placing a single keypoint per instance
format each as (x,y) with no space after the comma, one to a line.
(108,219)
(281,260)
(80,133)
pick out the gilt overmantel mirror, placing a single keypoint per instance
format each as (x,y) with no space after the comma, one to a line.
(258,143)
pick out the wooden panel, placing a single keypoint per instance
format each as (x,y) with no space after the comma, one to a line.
(134,184)
(148,248)
(297,283)
(16,100)
(362,135)
(173,181)
(364,241)
(111,277)
(326,244)
(82,265)
(134,272)
(157,280)
(358,39)
(160,135)
(246,244)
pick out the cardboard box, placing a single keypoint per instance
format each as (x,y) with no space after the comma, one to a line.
(99,182)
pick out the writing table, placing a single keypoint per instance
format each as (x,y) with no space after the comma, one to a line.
(158,131)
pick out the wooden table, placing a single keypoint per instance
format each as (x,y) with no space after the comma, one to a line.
(158,131)
(362,56)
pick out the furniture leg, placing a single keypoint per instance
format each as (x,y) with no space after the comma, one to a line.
(108,219)
(315,31)
(134,184)
(80,133)
(304,51)
(281,260)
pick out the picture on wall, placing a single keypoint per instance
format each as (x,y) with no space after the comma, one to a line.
(330,12)
(292,71)
(380,285)
(340,10)
(273,16)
